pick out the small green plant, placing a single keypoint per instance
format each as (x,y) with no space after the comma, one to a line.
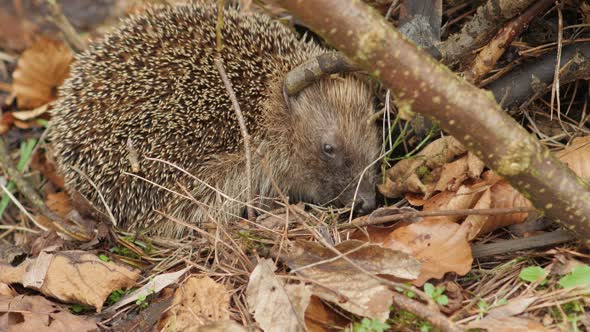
(425,327)
(368,325)
(410,322)
(406,292)
(115,297)
(123,251)
(534,274)
(78,308)
(104,258)
(436,293)
(574,311)
(26,153)
(580,276)
(142,302)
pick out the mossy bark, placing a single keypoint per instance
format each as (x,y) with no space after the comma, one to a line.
(470,114)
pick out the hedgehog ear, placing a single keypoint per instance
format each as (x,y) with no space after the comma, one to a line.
(312,70)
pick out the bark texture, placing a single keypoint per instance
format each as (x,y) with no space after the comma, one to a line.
(470,114)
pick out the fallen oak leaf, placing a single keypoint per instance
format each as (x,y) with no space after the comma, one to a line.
(71,276)
(275,305)
(335,280)
(199,301)
(35,313)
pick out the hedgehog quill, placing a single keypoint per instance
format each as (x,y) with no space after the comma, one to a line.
(151,89)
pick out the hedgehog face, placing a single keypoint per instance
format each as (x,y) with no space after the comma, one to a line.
(334,144)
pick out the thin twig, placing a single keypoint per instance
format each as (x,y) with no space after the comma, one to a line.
(244,129)
(439,213)
(73,39)
(543,240)
(555,87)
(436,318)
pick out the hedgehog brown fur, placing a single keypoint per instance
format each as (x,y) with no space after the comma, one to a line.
(153,81)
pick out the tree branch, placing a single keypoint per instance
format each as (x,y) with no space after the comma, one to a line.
(470,114)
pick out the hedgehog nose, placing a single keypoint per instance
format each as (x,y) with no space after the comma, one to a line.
(364,204)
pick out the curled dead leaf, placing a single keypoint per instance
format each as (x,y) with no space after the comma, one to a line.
(71,276)
(41,69)
(415,174)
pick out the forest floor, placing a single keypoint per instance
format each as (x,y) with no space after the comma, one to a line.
(452,247)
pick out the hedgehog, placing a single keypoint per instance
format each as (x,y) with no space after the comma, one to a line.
(144,132)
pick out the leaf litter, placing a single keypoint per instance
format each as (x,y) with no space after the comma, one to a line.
(319,284)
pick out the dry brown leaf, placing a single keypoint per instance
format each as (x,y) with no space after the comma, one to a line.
(48,241)
(474,224)
(275,305)
(455,173)
(59,203)
(464,198)
(43,163)
(577,156)
(221,326)
(440,245)
(337,281)
(319,317)
(155,285)
(505,196)
(502,318)
(512,308)
(32,114)
(35,313)
(200,301)
(508,324)
(40,70)
(417,174)
(492,192)
(5,290)
(6,122)
(9,253)
(71,276)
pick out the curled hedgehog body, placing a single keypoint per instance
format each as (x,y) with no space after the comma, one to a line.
(153,82)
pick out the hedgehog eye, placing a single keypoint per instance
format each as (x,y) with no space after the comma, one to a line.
(328,149)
